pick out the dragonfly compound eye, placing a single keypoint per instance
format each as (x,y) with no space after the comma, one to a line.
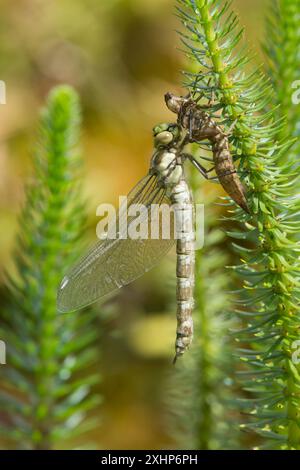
(164,138)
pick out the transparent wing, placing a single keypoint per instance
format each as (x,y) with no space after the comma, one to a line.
(113,263)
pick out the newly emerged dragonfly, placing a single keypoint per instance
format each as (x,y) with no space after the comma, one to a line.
(116,261)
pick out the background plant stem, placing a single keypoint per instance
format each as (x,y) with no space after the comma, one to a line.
(46,389)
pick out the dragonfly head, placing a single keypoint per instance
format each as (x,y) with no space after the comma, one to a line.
(166,134)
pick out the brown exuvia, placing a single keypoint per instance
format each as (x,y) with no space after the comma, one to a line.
(200,126)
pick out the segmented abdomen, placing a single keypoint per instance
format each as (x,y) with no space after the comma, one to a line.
(183,208)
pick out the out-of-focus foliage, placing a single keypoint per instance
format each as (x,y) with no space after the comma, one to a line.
(283,59)
(269,271)
(45,385)
(283,54)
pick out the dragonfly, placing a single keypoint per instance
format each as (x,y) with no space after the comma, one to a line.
(201,126)
(114,262)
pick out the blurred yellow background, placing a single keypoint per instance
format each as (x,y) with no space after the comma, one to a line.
(121,56)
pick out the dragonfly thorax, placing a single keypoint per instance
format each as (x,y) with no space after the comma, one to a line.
(166,167)
(166,164)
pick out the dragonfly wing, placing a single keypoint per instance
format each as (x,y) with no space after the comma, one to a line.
(113,263)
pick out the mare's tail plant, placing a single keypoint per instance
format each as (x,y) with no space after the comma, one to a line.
(268,271)
(46,385)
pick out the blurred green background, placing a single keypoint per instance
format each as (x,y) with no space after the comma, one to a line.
(121,56)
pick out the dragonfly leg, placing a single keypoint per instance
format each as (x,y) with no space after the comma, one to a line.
(211,169)
(204,172)
(197,165)
(214,178)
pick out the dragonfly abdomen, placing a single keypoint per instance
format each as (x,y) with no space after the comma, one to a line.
(183,208)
